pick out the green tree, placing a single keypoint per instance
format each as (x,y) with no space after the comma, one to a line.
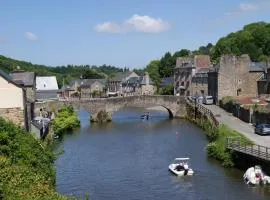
(166,65)
(152,68)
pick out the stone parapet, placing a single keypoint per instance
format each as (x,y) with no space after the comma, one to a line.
(16,115)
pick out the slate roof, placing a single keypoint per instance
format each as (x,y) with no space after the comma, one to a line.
(133,81)
(26,78)
(257,67)
(120,76)
(166,81)
(46,83)
(88,82)
(142,81)
(9,79)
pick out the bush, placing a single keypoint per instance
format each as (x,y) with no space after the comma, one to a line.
(167,90)
(66,120)
(26,166)
(217,148)
(217,136)
(228,103)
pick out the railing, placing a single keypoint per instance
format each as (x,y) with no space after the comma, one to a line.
(203,110)
(236,144)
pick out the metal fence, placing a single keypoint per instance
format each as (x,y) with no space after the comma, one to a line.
(258,151)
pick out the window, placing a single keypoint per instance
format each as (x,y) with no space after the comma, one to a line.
(239,92)
(202,92)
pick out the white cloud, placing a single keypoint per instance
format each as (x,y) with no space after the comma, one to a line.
(245,7)
(109,27)
(30,36)
(145,24)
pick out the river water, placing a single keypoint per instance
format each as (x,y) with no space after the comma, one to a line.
(129,158)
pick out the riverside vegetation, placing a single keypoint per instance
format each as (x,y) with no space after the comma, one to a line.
(217,137)
(66,120)
(26,166)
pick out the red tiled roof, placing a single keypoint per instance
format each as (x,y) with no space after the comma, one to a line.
(202,61)
(248,101)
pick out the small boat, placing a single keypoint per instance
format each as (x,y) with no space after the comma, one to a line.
(255,176)
(180,167)
(145,116)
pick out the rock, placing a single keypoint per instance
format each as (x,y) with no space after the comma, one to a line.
(101,117)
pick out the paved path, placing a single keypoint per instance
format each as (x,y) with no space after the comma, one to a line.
(234,123)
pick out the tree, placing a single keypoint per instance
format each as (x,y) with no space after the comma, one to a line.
(167,90)
(152,68)
(166,65)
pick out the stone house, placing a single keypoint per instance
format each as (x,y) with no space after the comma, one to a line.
(46,88)
(121,85)
(190,75)
(234,76)
(13,100)
(146,85)
(92,87)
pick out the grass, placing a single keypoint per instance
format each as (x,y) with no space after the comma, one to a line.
(217,148)
(217,137)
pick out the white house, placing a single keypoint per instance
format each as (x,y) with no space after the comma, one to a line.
(12,99)
(46,87)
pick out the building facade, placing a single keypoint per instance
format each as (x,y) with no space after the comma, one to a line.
(123,83)
(46,88)
(28,80)
(190,75)
(13,100)
(234,76)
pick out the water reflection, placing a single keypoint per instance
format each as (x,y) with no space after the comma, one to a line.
(128,159)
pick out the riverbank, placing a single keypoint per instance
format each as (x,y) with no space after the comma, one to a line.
(66,120)
(216,135)
(26,166)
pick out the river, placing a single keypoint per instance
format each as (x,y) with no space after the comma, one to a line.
(128,159)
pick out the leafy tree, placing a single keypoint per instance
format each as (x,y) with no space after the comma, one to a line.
(167,63)
(254,40)
(152,68)
(167,90)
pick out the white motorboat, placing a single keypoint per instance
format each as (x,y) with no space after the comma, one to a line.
(255,175)
(180,167)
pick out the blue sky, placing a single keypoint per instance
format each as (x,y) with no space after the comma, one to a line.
(117,32)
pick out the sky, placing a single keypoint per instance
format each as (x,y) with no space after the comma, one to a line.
(123,33)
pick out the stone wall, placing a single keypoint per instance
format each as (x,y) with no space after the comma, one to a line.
(199,86)
(252,88)
(175,105)
(147,90)
(16,115)
(234,77)
(227,77)
(30,94)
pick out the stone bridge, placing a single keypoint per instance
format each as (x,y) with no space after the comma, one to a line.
(176,106)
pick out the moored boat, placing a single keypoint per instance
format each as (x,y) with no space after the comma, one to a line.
(180,167)
(255,176)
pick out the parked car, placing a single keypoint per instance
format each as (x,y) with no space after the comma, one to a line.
(262,129)
(208,100)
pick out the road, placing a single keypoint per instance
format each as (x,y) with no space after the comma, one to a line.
(234,123)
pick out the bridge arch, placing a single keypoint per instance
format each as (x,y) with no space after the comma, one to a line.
(175,106)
